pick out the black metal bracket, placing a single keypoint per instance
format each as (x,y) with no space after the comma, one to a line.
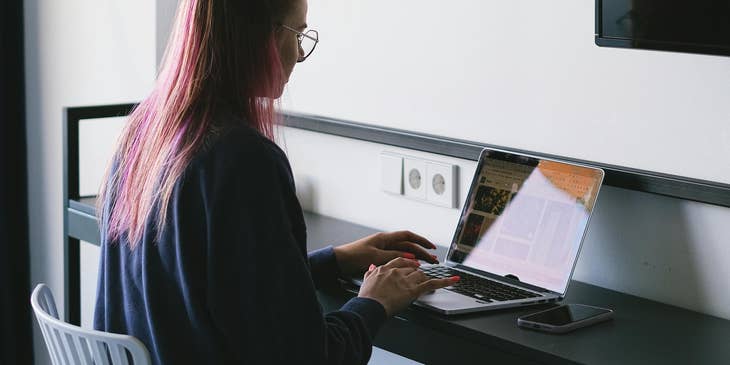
(71,118)
(704,191)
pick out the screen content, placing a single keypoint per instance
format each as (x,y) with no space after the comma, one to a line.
(565,314)
(526,217)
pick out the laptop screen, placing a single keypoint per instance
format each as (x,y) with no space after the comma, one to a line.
(526,217)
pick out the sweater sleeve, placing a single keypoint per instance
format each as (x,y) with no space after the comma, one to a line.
(323,266)
(261,295)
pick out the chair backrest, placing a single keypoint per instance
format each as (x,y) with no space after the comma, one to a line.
(71,345)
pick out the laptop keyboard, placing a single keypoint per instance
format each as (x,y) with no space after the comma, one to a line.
(477,287)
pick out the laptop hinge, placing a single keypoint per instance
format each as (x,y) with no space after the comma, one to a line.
(513,277)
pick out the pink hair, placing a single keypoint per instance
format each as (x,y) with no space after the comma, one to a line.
(220,54)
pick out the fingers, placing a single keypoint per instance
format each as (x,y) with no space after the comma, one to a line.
(433,284)
(400,236)
(400,262)
(404,270)
(391,255)
(415,251)
(369,271)
(399,272)
(417,276)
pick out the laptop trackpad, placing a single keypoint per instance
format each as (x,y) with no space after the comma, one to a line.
(448,300)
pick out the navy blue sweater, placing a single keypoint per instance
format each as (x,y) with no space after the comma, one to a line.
(230,281)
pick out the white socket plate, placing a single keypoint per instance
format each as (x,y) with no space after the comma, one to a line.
(391,173)
(441,184)
(414,178)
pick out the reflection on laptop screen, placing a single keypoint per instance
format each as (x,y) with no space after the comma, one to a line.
(526,217)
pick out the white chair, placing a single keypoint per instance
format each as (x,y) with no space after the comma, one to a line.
(71,345)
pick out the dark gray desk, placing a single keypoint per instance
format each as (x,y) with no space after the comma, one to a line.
(642,332)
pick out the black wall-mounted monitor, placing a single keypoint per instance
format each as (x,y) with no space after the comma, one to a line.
(696,26)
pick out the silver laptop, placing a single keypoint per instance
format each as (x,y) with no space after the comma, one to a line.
(519,233)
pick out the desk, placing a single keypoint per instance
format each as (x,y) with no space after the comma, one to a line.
(642,332)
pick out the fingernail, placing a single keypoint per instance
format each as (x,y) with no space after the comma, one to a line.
(371,268)
(435,257)
(455,278)
(409,255)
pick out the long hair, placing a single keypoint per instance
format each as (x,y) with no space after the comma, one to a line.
(221,54)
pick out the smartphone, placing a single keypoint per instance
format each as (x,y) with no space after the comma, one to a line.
(565,318)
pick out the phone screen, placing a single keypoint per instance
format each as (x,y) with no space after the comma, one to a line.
(565,314)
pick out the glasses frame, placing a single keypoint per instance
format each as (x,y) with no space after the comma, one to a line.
(300,38)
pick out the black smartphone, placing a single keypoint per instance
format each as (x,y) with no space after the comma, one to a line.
(565,318)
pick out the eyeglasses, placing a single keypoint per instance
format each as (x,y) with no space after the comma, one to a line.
(307,41)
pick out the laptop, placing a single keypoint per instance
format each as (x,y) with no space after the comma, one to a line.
(519,233)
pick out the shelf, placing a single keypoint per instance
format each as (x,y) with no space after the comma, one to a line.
(674,186)
(643,331)
(83,224)
(82,221)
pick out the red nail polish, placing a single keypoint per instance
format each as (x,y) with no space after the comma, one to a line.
(409,255)
(455,278)
(371,268)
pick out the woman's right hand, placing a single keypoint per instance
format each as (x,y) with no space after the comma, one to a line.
(399,282)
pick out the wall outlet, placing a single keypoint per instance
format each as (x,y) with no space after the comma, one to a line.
(391,173)
(414,178)
(441,184)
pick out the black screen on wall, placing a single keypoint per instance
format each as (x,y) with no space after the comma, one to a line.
(697,26)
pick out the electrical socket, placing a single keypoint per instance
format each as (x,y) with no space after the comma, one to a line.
(441,182)
(414,178)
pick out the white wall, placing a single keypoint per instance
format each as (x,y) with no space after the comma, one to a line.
(518,73)
(78,52)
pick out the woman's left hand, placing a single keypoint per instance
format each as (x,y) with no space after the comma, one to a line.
(356,257)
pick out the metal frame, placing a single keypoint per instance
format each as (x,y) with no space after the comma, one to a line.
(704,191)
(80,222)
(71,118)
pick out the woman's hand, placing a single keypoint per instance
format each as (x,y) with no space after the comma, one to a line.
(398,283)
(354,258)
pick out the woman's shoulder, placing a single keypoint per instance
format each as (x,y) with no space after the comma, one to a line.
(238,147)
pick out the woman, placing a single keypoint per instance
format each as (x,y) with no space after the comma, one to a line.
(203,253)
